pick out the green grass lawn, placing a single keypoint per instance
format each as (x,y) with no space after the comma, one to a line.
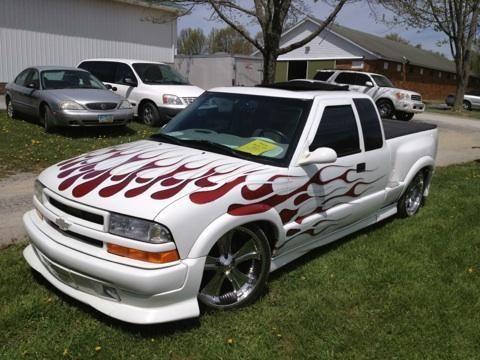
(404,289)
(24,145)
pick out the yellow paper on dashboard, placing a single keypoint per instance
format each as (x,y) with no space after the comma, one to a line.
(257,147)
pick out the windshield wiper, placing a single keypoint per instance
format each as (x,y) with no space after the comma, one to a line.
(210,145)
(167,138)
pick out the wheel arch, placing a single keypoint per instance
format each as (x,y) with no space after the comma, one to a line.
(269,222)
(426,165)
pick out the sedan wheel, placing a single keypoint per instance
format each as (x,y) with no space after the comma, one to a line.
(412,199)
(467,105)
(236,269)
(48,119)
(10,109)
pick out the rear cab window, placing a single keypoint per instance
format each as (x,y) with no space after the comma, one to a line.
(323,75)
(371,130)
(338,130)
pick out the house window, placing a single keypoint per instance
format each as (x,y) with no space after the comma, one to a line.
(385,65)
(454,76)
(421,71)
(399,67)
(439,74)
(357,64)
(297,70)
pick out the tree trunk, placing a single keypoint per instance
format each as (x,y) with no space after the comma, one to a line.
(460,92)
(269,67)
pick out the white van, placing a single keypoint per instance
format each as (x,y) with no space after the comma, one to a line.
(156,91)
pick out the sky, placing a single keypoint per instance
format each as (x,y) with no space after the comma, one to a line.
(354,15)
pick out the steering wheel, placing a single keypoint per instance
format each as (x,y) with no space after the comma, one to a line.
(283,138)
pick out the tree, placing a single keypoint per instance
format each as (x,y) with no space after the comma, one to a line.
(229,41)
(272,17)
(191,42)
(396,37)
(457,19)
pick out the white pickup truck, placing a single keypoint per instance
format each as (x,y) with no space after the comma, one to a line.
(389,99)
(242,182)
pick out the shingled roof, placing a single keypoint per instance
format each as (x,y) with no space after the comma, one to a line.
(389,49)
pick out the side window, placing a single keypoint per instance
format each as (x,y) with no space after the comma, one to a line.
(323,75)
(33,78)
(346,78)
(123,71)
(372,134)
(103,70)
(361,79)
(21,79)
(338,130)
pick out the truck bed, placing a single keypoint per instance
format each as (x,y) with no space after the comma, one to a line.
(396,128)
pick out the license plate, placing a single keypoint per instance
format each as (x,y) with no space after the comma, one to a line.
(105,119)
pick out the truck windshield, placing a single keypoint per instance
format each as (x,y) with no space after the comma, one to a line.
(260,128)
(382,81)
(159,74)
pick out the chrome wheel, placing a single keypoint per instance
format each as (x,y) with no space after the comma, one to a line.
(10,109)
(236,269)
(413,197)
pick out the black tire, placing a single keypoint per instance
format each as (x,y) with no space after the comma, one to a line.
(236,270)
(385,108)
(48,120)
(467,105)
(149,114)
(412,199)
(404,116)
(11,113)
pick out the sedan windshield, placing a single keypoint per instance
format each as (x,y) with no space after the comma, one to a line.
(160,74)
(259,128)
(382,81)
(69,79)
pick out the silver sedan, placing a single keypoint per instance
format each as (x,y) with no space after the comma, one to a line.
(63,96)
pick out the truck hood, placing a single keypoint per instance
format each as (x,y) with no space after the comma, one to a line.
(142,178)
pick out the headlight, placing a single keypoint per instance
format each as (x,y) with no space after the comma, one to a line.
(71,105)
(38,190)
(172,100)
(137,229)
(402,95)
(125,104)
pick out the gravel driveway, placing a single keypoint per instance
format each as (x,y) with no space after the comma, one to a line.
(459,142)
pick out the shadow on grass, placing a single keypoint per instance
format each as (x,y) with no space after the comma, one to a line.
(146,331)
(325,249)
(109,131)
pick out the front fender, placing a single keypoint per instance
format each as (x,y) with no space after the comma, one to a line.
(227,222)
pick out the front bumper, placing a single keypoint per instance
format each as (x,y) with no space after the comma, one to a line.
(128,293)
(92,118)
(410,106)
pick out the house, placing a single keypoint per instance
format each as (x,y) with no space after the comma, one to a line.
(339,47)
(63,32)
(222,69)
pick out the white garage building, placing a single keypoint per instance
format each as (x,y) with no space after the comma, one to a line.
(63,32)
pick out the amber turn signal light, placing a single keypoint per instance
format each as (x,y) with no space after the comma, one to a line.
(153,257)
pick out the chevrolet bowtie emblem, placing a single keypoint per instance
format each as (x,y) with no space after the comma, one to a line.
(62,224)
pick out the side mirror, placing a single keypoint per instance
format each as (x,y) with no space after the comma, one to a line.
(130,82)
(32,85)
(368,83)
(323,155)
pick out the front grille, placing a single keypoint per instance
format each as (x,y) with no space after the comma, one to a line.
(102,106)
(77,236)
(189,100)
(88,216)
(416,98)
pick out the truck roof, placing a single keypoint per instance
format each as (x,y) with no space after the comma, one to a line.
(308,94)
